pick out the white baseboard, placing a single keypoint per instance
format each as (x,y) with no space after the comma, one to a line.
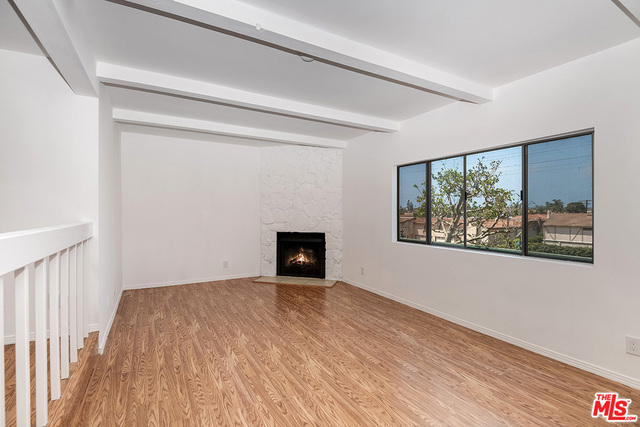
(105,335)
(11,339)
(190,281)
(589,367)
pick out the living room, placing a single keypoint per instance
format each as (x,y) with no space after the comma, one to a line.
(190,135)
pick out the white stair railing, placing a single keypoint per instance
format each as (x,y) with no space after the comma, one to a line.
(52,260)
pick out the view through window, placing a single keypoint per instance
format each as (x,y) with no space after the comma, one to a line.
(447,201)
(494,205)
(476,201)
(411,206)
(560,198)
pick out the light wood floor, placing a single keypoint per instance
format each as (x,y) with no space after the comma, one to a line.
(241,353)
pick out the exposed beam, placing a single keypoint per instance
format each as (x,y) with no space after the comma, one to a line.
(177,86)
(262,26)
(48,27)
(631,8)
(214,128)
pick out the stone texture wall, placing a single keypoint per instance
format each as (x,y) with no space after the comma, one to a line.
(301,191)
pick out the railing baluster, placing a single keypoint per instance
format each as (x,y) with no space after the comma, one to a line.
(2,404)
(80,307)
(48,262)
(85,321)
(64,313)
(42,282)
(23,389)
(73,302)
(54,327)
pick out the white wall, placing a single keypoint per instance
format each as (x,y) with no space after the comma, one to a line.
(187,207)
(48,159)
(110,216)
(574,312)
(301,191)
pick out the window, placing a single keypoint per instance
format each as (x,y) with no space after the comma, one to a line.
(477,200)
(494,204)
(412,225)
(447,201)
(560,198)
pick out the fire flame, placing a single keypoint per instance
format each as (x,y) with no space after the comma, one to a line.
(301,258)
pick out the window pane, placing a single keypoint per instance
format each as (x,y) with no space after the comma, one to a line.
(411,202)
(494,208)
(560,198)
(447,204)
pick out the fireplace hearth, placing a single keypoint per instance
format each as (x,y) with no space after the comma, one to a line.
(301,254)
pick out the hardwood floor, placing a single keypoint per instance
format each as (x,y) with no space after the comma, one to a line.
(73,389)
(249,354)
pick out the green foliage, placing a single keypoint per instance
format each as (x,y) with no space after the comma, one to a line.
(486,202)
(576,207)
(586,252)
(420,211)
(556,205)
(538,210)
(409,206)
(447,201)
(535,239)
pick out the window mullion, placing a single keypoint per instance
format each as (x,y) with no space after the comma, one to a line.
(525,200)
(427,209)
(464,199)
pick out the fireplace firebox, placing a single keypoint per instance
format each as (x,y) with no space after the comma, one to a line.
(301,255)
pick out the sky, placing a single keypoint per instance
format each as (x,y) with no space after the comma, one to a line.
(560,169)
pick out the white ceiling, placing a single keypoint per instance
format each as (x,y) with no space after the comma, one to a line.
(13,35)
(492,42)
(484,43)
(126,36)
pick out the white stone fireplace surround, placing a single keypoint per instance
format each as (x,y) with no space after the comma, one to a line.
(301,191)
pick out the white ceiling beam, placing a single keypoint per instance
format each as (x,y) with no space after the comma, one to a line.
(631,8)
(263,26)
(47,24)
(178,86)
(214,128)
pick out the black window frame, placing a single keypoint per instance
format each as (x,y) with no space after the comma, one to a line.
(524,200)
(427,209)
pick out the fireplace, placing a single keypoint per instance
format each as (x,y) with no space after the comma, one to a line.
(301,254)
